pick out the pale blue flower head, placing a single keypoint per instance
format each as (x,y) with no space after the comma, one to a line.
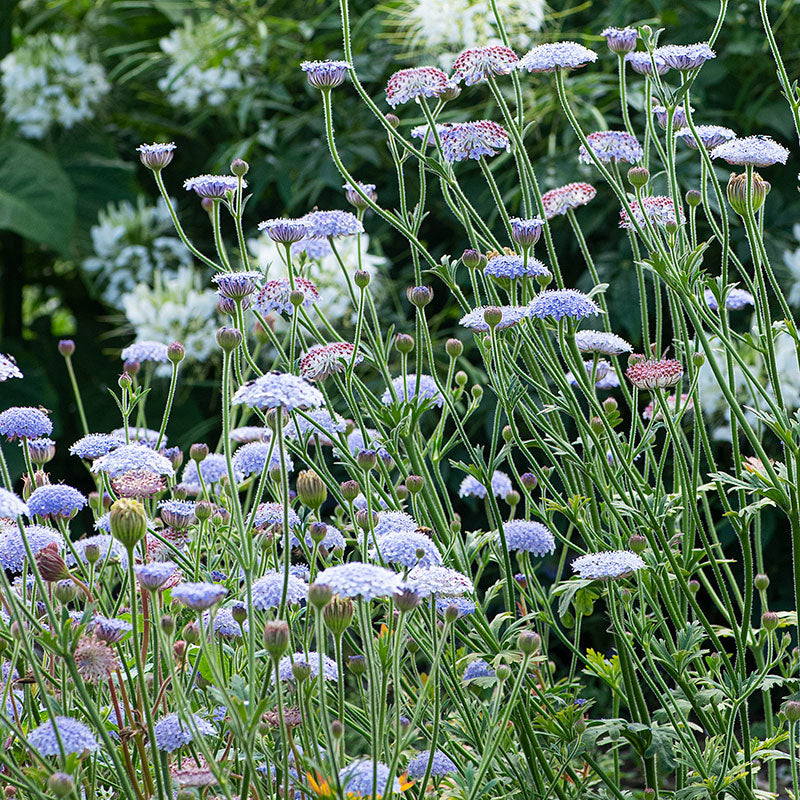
(24,422)
(472,487)
(756,151)
(513,267)
(556,55)
(528,537)
(608,344)
(611,147)
(13,554)
(154,575)
(643,64)
(685,56)
(358,779)
(8,368)
(441,764)
(331,224)
(329,669)
(110,550)
(76,738)
(511,315)
(278,390)
(406,390)
(268,591)
(56,500)
(473,140)
(145,350)
(11,506)
(357,579)
(620,40)
(253,457)
(560,303)
(607,565)
(198,596)
(172,732)
(94,445)
(437,580)
(133,457)
(735,300)
(213,187)
(477,669)
(403,548)
(711,136)
(269,514)
(325,75)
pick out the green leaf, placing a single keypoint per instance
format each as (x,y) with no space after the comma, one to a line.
(37,200)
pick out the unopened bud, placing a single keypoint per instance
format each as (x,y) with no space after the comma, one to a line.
(66,347)
(198,451)
(319,595)
(637,543)
(357,665)
(638,176)
(350,490)
(761,582)
(338,615)
(493,316)
(239,167)
(419,296)
(65,591)
(415,483)
(311,489)
(367,459)
(392,119)
(529,642)
(276,637)
(361,278)
(769,620)
(471,259)
(60,784)
(529,480)
(693,198)
(128,522)
(176,352)
(229,338)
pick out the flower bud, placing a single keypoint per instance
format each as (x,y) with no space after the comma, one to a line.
(276,637)
(51,565)
(698,359)
(529,642)
(66,347)
(367,459)
(176,352)
(128,522)
(503,672)
(319,595)
(91,553)
(792,711)
(296,298)
(191,633)
(493,316)
(415,483)
(363,518)
(407,599)
(357,665)
(512,498)
(637,543)
(361,278)
(638,176)
(451,614)
(404,343)
(203,510)
(337,729)
(461,378)
(761,582)
(131,367)
(693,198)
(198,451)
(350,490)
(412,645)
(737,192)
(311,489)
(338,615)
(60,784)
(419,296)
(179,650)
(451,92)
(260,332)
(610,405)
(694,586)
(239,167)
(392,119)
(471,258)
(229,338)
(65,591)
(477,391)
(769,620)
(521,580)
(124,381)
(529,481)
(168,624)
(454,347)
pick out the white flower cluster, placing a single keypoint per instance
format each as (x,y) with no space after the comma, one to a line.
(176,309)
(208,61)
(48,83)
(326,273)
(443,28)
(131,247)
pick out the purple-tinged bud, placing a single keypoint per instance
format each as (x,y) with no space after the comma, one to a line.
(419,296)
(529,480)
(461,378)
(407,600)
(404,343)
(770,620)
(401,490)
(694,586)
(493,316)
(66,347)
(131,367)
(229,338)
(451,614)
(203,510)
(414,483)
(367,459)
(521,580)
(338,615)
(276,637)
(471,258)
(311,489)
(529,642)
(454,347)
(361,278)
(51,565)
(638,176)
(60,784)
(65,591)
(91,553)
(357,665)
(239,167)
(319,595)
(737,192)
(350,490)
(364,517)
(392,119)
(792,711)
(198,451)
(128,522)
(761,582)
(168,624)
(176,352)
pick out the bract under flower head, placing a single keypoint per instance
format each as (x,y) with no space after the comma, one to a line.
(275,295)
(76,738)
(331,224)
(607,565)
(608,344)
(409,84)
(11,506)
(24,422)
(471,487)
(213,187)
(325,74)
(611,147)
(655,374)
(356,579)
(560,303)
(710,135)
(145,350)
(442,581)
(528,537)
(268,591)
(556,55)
(199,596)
(8,368)
(323,360)
(659,210)
(478,63)
(513,267)
(278,390)
(406,389)
(564,198)
(56,500)
(643,64)
(463,140)
(511,315)
(758,151)
(172,732)
(133,457)
(735,300)
(685,56)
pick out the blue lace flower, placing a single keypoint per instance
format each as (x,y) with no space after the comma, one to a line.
(463,140)
(156,156)
(225,625)
(172,732)
(268,590)
(394,522)
(245,434)
(472,487)
(76,737)
(178,514)
(311,660)
(608,344)
(315,249)
(441,764)
(735,300)
(559,303)
(213,187)
(284,231)
(513,267)
(556,55)
(12,546)
(478,63)
(710,135)
(42,450)
(278,390)
(269,514)
(11,506)
(145,350)
(358,579)
(620,40)
(213,468)
(611,147)
(408,84)
(315,424)
(94,445)
(358,779)
(356,442)
(56,500)
(685,56)
(643,64)
(110,550)
(198,596)
(8,368)
(24,422)
(333,539)
(465,607)
(427,581)
(528,537)
(154,575)
(600,369)
(237,285)
(758,151)
(526,231)
(325,74)
(402,547)
(477,669)
(511,315)
(406,390)
(251,458)
(607,565)
(133,457)
(110,629)
(331,224)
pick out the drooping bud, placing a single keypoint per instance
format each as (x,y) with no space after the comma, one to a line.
(128,522)
(51,565)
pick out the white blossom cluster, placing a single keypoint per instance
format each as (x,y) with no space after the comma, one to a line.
(208,62)
(131,246)
(48,82)
(443,28)
(176,309)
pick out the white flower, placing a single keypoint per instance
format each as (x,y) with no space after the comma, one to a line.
(334,300)
(131,245)
(208,63)
(176,309)
(48,83)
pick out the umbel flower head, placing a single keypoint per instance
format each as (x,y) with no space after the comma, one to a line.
(251,459)
(473,140)
(268,591)
(471,487)
(394,522)
(199,596)
(559,303)
(275,295)
(441,764)
(156,156)
(756,151)
(133,457)
(284,231)
(404,547)
(685,56)
(24,422)
(172,732)
(8,368)
(94,445)
(513,267)
(278,390)
(409,84)
(325,75)
(510,316)
(365,779)
(477,669)
(213,187)
(311,661)
(526,536)
(478,63)
(655,374)
(564,198)
(710,135)
(332,224)
(356,579)
(556,55)
(607,565)
(406,390)
(323,360)
(608,344)
(13,554)
(611,147)
(11,506)
(620,40)
(658,209)
(643,63)
(56,500)
(146,350)
(735,300)
(76,737)
(436,580)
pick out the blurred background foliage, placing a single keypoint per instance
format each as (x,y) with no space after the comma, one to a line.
(87,254)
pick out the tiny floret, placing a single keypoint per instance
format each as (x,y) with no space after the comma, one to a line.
(478,63)
(526,536)
(758,151)
(24,422)
(611,147)
(556,55)
(607,565)
(559,303)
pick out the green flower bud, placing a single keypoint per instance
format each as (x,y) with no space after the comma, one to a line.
(693,198)
(454,347)
(415,483)
(338,615)
(311,490)
(638,176)
(761,582)
(59,784)
(239,167)
(404,343)
(350,490)
(128,522)
(361,278)
(229,338)
(319,595)
(65,591)
(276,638)
(737,192)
